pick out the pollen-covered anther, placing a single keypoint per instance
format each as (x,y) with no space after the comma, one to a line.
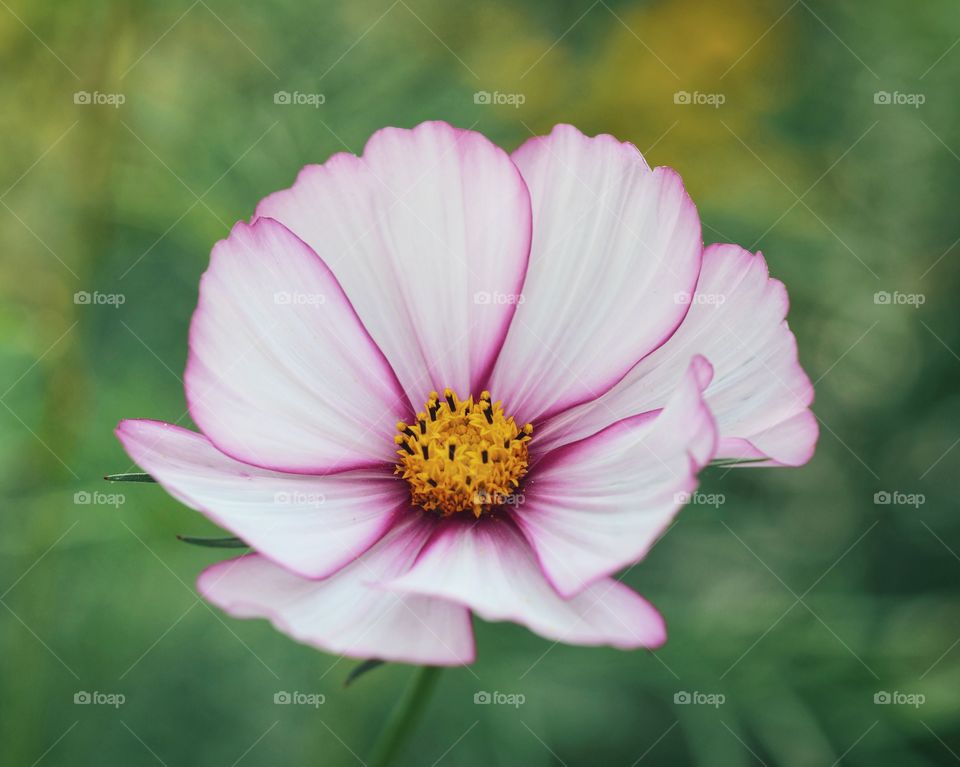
(462,455)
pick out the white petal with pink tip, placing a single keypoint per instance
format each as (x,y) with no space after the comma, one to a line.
(595,506)
(349,613)
(429,234)
(281,373)
(759,394)
(489,567)
(312,525)
(613,242)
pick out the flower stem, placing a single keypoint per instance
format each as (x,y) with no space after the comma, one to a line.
(403,718)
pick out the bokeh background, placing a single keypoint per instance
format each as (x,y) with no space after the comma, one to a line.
(798,599)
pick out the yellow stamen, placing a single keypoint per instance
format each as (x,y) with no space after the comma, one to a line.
(462,456)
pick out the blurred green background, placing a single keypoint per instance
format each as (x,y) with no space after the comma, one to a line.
(798,599)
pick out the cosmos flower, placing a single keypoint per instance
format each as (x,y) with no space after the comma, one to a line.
(438,381)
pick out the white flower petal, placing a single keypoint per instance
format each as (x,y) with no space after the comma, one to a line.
(759,394)
(597,505)
(281,373)
(312,525)
(429,234)
(349,613)
(613,243)
(489,567)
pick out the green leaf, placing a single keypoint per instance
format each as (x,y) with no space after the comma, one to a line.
(727,462)
(129,477)
(215,543)
(361,669)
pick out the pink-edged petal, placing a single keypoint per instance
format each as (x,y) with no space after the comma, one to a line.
(281,372)
(349,613)
(312,525)
(613,243)
(489,567)
(429,234)
(594,506)
(759,394)
(788,443)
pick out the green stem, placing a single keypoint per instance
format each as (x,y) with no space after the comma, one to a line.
(403,718)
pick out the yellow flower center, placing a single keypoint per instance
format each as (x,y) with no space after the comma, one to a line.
(462,455)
